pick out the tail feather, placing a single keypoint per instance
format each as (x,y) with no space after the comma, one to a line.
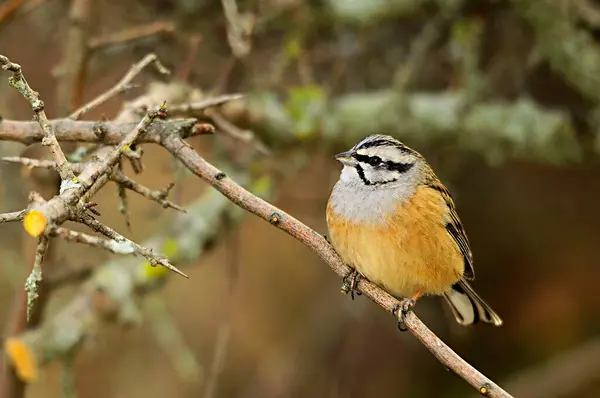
(468,308)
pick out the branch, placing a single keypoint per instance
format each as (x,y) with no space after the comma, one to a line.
(117,176)
(239,28)
(201,105)
(127,246)
(35,278)
(120,282)
(109,133)
(122,85)
(12,217)
(131,34)
(319,245)
(18,82)
(71,202)
(72,69)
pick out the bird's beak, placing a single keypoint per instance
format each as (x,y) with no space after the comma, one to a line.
(345,158)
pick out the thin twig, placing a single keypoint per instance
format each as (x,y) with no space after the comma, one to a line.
(72,69)
(110,245)
(18,82)
(201,105)
(121,85)
(245,136)
(127,244)
(184,71)
(239,28)
(34,280)
(122,194)
(131,34)
(319,245)
(14,216)
(158,196)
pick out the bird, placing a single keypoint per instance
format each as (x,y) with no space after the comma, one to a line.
(393,222)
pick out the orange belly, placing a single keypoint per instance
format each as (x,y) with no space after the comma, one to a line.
(409,251)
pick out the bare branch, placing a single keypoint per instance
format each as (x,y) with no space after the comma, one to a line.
(203,104)
(158,196)
(71,202)
(319,245)
(131,34)
(34,280)
(110,245)
(14,216)
(122,84)
(110,132)
(245,136)
(126,245)
(239,28)
(72,69)
(18,82)
(123,280)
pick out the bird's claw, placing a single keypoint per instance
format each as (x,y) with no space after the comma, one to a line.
(401,310)
(350,283)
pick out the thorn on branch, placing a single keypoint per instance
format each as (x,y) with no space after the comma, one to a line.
(114,235)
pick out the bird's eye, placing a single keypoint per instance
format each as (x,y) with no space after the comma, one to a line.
(374,160)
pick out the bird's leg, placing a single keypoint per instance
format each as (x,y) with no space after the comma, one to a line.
(400,310)
(350,282)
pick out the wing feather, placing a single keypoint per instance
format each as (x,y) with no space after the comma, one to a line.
(455,229)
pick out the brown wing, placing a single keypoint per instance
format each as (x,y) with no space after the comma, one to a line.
(456,230)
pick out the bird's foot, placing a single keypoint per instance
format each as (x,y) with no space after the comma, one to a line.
(350,283)
(401,310)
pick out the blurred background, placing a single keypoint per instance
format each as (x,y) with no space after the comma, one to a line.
(503,99)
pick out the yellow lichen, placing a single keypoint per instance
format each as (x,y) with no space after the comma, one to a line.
(22,359)
(34,223)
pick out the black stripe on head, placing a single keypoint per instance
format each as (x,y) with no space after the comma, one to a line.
(361,174)
(385,141)
(380,142)
(399,167)
(390,165)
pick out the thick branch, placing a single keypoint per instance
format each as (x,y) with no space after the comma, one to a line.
(109,132)
(319,245)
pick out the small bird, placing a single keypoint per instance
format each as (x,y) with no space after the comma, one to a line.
(393,221)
